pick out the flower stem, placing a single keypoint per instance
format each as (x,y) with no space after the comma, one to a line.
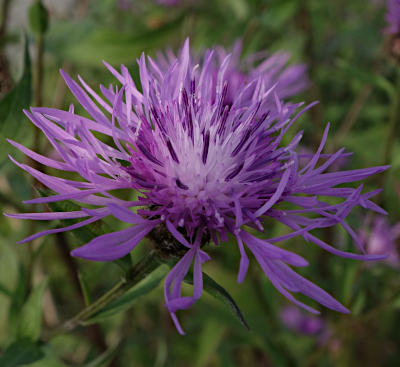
(131,278)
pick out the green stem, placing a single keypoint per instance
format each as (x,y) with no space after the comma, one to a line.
(132,277)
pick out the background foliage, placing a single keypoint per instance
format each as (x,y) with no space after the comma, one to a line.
(352,76)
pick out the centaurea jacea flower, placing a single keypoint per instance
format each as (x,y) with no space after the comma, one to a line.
(203,169)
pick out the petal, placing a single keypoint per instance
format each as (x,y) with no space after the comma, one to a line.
(124,214)
(264,248)
(114,245)
(48,215)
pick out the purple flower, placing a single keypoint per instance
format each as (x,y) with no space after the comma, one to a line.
(380,237)
(393,17)
(202,168)
(299,322)
(273,70)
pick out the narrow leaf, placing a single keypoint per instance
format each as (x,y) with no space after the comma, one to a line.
(85,289)
(21,352)
(217,291)
(18,299)
(103,360)
(126,301)
(30,319)
(5,290)
(12,118)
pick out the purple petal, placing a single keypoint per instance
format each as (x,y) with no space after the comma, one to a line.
(112,246)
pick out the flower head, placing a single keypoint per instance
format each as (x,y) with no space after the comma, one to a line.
(393,17)
(203,168)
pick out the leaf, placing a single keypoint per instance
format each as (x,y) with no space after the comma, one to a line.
(30,318)
(18,299)
(85,289)
(5,290)
(104,359)
(217,291)
(125,262)
(126,301)
(11,106)
(21,352)
(208,342)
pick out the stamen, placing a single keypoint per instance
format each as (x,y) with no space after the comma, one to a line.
(234,172)
(172,151)
(241,143)
(148,155)
(205,147)
(181,185)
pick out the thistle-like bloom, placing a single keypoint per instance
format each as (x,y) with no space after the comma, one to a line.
(393,17)
(203,169)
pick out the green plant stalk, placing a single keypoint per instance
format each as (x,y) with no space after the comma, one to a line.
(132,277)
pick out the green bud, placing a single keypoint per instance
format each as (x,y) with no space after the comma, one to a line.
(38,18)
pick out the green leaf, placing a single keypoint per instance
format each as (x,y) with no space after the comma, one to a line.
(12,105)
(359,303)
(21,352)
(30,318)
(125,263)
(217,291)
(85,289)
(38,18)
(126,301)
(209,340)
(18,299)
(5,290)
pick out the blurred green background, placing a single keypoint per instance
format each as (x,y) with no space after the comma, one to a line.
(352,75)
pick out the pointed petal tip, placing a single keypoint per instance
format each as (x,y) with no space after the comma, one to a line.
(345,310)
(63,73)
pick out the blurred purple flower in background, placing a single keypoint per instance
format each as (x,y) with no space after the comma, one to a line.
(289,80)
(379,237)
(206,160)
(296,320)
(393,17)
